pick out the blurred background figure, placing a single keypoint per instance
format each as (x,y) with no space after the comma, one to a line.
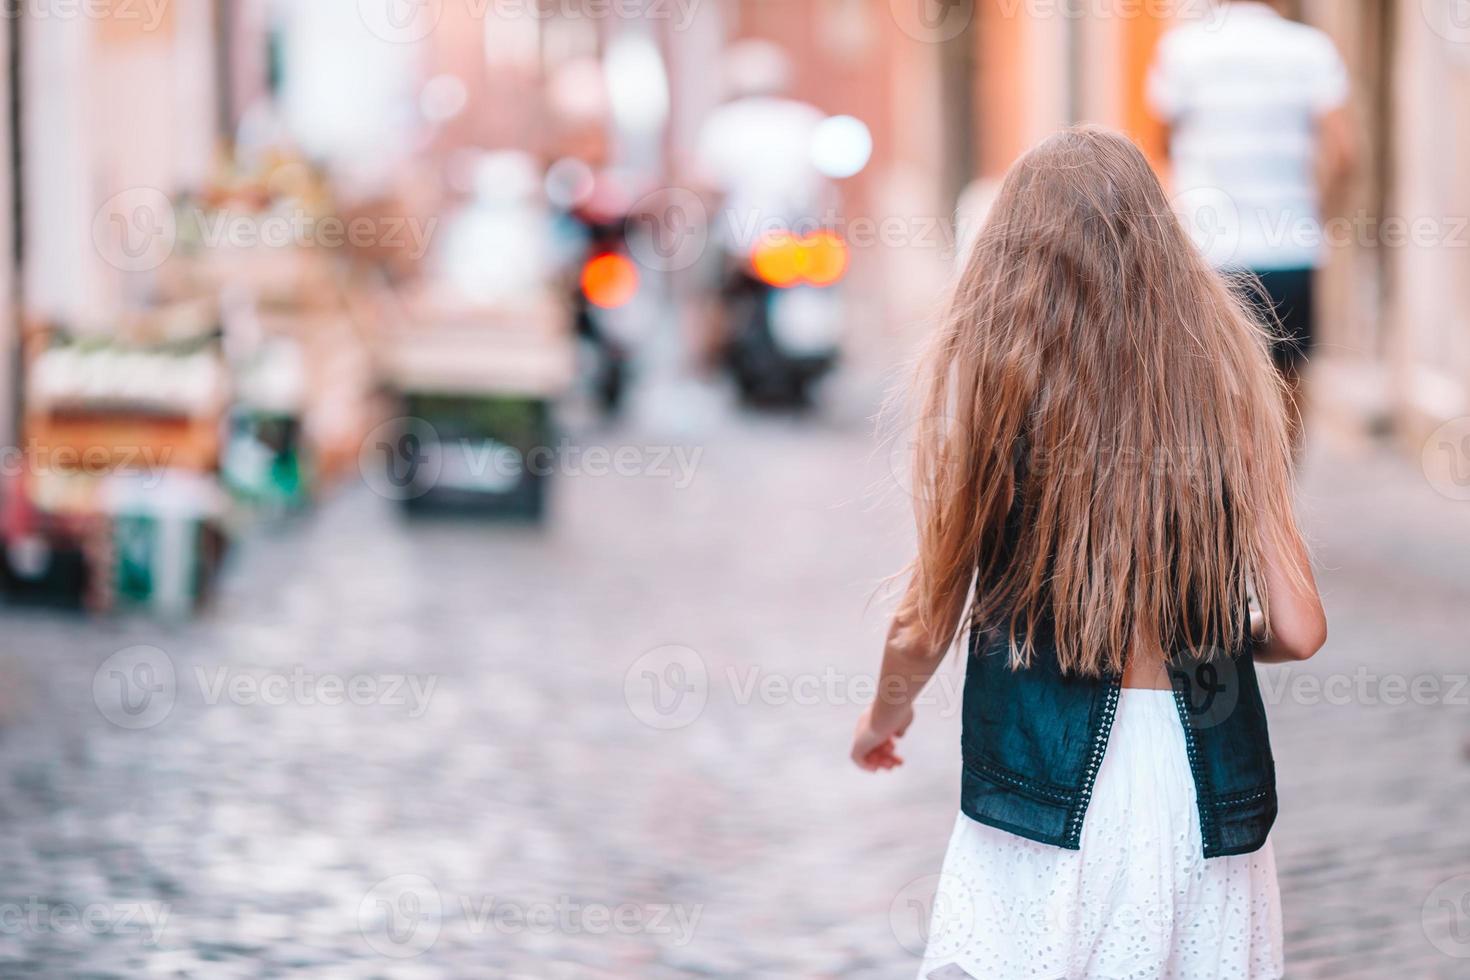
(1259,136)
(755,149)
(772,163)
(761,154)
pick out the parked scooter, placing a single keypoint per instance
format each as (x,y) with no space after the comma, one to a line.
(604,286)
(784,315)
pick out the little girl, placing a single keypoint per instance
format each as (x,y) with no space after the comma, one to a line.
(1102,482)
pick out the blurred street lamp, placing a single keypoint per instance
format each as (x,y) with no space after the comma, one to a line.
(841,146)
(637,85)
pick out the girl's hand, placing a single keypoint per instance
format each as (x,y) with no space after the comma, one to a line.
(874,741)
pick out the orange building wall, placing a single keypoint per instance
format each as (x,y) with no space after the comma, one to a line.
(1004,100)
(1140,37)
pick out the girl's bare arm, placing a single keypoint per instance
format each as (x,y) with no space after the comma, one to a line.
(1298,626)
(911,655)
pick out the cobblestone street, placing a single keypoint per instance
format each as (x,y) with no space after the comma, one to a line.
(616,746)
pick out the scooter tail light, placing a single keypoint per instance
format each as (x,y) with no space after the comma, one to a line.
(609,280)
(776,260)
(784,260)
(826,258)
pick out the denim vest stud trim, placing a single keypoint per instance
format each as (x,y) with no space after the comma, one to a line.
(1202,794)
(1073,839)
(1026,787)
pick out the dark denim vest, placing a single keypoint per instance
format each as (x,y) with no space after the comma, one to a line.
(1034,739)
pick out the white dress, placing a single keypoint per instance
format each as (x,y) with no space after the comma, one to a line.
(1138,901)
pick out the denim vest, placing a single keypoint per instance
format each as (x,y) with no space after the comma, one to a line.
(1034,740)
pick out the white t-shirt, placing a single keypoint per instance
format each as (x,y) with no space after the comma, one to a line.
(1244,92)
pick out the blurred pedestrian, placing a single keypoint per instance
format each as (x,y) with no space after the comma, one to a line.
(1106,458)
(1259,136)
(755,150)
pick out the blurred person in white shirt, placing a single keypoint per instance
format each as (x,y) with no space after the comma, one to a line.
(1260,134)
(755,150)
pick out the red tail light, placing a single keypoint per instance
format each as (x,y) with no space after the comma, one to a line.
(609,280)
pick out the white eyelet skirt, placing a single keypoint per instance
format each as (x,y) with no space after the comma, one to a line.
(1138,901)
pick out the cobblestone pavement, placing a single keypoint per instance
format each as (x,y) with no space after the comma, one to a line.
(615,746)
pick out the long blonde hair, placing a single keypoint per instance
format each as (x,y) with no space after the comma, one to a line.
(1102,446)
